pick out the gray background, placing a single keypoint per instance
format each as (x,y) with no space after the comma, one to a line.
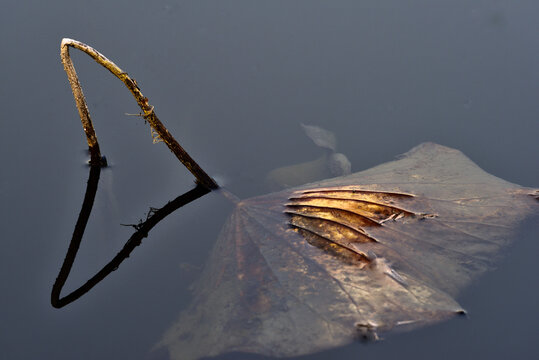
(233,80)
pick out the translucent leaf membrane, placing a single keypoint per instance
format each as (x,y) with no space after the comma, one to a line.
(343,214)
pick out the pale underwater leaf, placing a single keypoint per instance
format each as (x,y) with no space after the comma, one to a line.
(331,164)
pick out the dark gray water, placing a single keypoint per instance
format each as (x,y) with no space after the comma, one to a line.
(232,81)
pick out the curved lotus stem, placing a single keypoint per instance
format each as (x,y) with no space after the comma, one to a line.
(147,109)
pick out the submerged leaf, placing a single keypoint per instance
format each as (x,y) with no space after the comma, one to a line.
(321,137)
(319,266)
(331,164)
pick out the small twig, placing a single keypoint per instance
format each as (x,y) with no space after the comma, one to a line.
(148,112)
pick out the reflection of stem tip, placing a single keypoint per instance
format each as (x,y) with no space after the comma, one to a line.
(159,131)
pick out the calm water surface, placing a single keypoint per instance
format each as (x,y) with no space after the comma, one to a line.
(233,81)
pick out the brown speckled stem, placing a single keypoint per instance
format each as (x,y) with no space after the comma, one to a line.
(148,111)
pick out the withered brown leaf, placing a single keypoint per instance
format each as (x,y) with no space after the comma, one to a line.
(321,265)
